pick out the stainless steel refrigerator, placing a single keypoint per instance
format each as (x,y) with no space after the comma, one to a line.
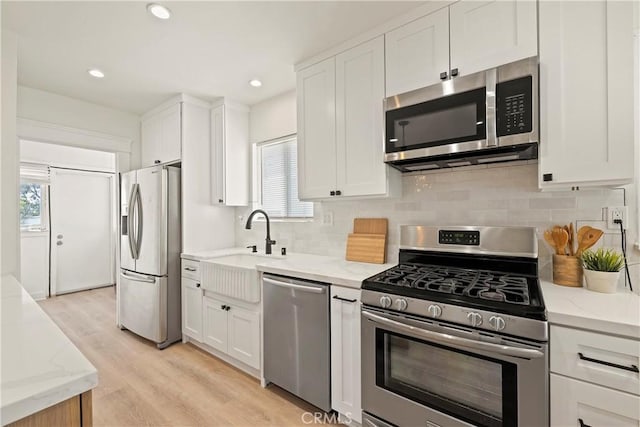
(149,298)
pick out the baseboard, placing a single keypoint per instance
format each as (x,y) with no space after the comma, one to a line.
(224,357)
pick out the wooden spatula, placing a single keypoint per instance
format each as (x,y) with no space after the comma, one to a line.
(572,240)
(560,237)
(589,238)
(548,237)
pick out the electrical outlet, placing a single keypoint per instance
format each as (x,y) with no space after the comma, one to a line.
(327,218)
(617,212)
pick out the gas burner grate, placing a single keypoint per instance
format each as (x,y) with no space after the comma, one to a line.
(480,284)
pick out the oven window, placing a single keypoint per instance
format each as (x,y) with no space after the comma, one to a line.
(464,385)
(446,120)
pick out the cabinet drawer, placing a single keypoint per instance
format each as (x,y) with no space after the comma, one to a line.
(191,269)
(597,358)
(577,403)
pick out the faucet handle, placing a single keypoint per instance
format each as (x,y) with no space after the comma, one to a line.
(254,248)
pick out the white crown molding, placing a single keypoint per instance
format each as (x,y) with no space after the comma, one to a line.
(64,135)
(184,98)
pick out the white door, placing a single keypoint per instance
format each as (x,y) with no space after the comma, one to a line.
(361,170)
(244,336)
(316,91)
(417,53)
(485,34)
(191,309)
(214,323)
(82,230)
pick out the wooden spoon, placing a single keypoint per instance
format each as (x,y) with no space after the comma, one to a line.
(560,237)
(572,240)
(548,237)
(589,238)
(581,232)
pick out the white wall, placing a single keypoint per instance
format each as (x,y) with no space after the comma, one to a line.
(35,263)
(47,107)
(67,157)
(273,118)
(9,152)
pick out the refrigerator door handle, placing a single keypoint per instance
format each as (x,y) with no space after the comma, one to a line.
(140,221)
(132,200)
(136,277)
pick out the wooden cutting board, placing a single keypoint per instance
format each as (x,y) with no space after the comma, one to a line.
(370,225)
(364,247)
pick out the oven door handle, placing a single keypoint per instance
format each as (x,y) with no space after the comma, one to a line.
(441,338)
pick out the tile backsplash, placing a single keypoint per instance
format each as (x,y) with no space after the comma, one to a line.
(489,195)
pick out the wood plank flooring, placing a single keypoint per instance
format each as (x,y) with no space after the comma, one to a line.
(182,385)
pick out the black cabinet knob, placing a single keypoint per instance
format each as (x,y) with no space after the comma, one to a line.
(454,72)
(332,193)
(197,285)
(338,193)
(443,75)
(220,201)
(228,308)
(547,177)
(157,162)
(223,307)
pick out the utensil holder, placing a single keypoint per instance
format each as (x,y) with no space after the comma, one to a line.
(567,270)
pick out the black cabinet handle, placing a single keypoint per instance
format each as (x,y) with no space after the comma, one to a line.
(344,299)
(332,193)
(443,75)
(220,201)
(632,368)
(197,285)
(582,423)
(547,177)
(338,193)
(228,308)
(157,162)
(454,72)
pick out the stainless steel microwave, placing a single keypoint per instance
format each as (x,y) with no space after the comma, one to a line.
(486,117)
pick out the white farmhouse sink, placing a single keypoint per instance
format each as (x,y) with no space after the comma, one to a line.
(234,276)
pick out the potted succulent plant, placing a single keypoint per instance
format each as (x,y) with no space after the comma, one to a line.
(602,269)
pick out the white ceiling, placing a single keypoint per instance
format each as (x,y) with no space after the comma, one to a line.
(206,49)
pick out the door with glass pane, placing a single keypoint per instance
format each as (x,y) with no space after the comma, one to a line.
(82,230)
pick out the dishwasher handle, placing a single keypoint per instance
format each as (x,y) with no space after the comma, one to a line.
(302,288)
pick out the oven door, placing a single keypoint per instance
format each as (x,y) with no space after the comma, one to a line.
(416,372)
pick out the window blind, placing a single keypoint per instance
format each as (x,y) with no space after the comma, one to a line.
(279,169)
(34,173)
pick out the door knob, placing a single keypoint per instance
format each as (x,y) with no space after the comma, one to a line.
(59,243)
(59,236)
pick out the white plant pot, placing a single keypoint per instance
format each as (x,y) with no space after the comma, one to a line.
(602,281)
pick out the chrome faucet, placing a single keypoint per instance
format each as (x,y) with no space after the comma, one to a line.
(269,242)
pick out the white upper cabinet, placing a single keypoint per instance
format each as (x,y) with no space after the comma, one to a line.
(340,126)
(316,94)
(161,132)
(230,154)
(464,38)
(359,126)
(586,96)
(485,34)
(417,53)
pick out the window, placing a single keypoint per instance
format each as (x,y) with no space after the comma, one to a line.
(276,173)
(34,184)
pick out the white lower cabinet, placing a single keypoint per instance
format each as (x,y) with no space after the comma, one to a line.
(578,403)
(232,330)
(345,352)
(191,308)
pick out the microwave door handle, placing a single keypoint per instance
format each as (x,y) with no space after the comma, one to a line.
(491,82)
(443,338)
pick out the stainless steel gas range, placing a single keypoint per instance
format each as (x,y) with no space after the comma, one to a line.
(456,333)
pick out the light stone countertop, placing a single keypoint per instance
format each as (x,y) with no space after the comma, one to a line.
(617,313)
(320,268)
(40,365)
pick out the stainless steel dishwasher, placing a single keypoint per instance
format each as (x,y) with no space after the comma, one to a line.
(297,343)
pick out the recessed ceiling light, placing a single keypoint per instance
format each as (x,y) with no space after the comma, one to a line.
(159,11)
(255,83)
(94,72)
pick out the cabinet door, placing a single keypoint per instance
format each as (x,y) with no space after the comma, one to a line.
(361,170)
(192,309)
(586,101)
(244,336)
(485,34)
(345,352)
(217,155)
(417,53)
(577,403)
(161,137)
(215,323)
(316,130)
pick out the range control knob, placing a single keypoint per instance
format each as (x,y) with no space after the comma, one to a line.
(497,323)
(475,319)
(385,301)
(401,304)
(434,310)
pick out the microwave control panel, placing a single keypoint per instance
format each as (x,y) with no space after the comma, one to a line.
(514,109)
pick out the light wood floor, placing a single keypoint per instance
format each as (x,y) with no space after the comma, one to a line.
(139,385)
